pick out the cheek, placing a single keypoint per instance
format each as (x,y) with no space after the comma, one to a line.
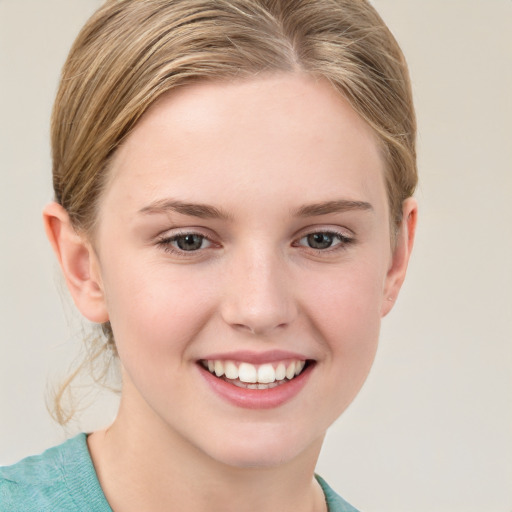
(347,298)
(345,310)
(342,310)
(160,309)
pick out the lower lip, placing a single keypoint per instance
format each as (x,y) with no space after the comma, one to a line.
(257,398)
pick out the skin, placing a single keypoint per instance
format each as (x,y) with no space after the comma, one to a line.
(258,151)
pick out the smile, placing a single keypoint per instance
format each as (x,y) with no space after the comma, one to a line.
(250,376)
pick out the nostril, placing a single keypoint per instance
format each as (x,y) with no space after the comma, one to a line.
(257,329)
(243,327)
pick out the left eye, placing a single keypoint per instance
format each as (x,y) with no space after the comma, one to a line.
(323,240)
(188,242)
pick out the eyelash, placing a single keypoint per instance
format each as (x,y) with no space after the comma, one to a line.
(343,241)
(166,242)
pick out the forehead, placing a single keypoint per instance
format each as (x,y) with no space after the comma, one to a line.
(278,136)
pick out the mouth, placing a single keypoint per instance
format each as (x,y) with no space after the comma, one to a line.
(256,376)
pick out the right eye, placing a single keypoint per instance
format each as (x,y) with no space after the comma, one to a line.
(184,242)
(191,242)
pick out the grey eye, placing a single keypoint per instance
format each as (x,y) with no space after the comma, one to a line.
(323,240)
(320,240)
(189,242)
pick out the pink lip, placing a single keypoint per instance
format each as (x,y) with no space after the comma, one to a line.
(257,398)
(270,356)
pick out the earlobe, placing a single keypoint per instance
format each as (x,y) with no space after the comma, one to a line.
(401,254)
(78,262)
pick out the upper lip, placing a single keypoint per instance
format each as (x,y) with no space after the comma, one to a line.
(248,356)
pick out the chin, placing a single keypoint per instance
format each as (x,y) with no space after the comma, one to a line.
(265,448)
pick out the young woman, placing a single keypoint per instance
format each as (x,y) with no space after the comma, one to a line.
(233,185)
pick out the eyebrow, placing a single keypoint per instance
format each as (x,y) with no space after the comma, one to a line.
(338,206)
(203,211)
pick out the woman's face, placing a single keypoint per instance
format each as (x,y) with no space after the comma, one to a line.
(245,228)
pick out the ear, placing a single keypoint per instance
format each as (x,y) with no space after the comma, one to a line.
(401,254)
(78,262)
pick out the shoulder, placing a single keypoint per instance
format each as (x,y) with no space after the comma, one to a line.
(335,503)
(61,478)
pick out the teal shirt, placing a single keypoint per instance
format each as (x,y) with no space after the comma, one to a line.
(63,479)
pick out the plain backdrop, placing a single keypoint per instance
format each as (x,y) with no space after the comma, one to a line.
(432,428)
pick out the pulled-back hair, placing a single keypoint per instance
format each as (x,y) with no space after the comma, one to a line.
(131,52)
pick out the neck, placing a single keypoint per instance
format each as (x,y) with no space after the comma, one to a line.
(143,465)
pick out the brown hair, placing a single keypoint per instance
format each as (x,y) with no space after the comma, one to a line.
(132,51)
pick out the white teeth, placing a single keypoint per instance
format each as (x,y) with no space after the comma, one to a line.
(290,371)
(280,371)
(247,372)
(231,370)
(255,377)
(266,374)
(240,384)
(219,368)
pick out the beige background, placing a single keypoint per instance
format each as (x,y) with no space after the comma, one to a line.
(432,428)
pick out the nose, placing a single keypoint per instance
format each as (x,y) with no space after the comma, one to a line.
(258,296)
